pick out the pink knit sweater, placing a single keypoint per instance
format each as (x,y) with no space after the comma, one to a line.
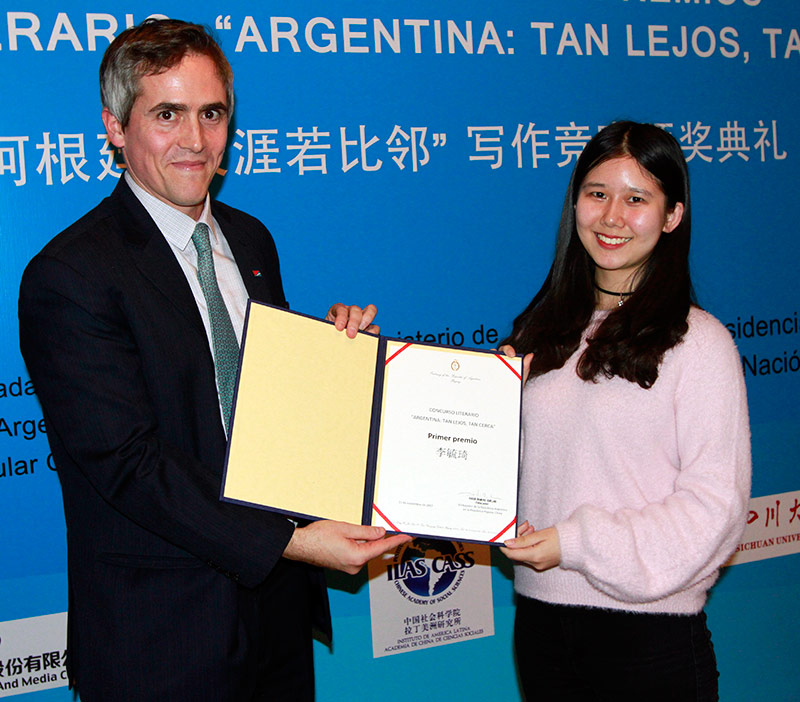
(648,489)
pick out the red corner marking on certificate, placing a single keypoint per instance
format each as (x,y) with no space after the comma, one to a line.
(513,370)
(513,522)
(375,507)
(396,353)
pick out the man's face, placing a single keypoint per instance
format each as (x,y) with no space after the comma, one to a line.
(176,135)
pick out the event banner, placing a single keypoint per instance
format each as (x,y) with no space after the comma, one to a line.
(415,156)
(32,655)
(415,437)
(773,528)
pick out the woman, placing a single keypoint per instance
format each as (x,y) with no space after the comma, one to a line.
(637,444)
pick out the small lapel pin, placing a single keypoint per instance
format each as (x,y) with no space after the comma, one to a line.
(256,274)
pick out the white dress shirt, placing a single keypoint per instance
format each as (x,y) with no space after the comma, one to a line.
(177,229)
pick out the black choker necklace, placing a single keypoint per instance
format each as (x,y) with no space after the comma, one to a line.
(622,295)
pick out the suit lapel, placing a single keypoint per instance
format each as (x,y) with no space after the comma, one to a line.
(246,257)
(152,254)
(155,260)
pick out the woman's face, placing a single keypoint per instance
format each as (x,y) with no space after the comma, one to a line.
(620,214)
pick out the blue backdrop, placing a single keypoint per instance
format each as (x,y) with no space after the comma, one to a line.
(415,155)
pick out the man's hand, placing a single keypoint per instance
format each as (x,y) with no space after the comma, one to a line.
(339,545)
(508,350)
(540,550)
(353,318)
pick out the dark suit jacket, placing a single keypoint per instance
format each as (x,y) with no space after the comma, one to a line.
(166,582)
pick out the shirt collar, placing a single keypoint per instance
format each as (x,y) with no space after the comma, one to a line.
(176,226)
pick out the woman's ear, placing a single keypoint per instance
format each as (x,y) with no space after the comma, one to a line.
(674,218)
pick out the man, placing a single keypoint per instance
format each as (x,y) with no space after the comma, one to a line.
(173,595)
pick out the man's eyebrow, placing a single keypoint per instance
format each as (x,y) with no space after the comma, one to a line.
(169,106)
(181,107)
(219,106)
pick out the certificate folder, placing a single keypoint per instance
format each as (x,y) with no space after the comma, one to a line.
(417,438)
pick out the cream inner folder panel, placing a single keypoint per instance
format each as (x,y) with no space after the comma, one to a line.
(316,385)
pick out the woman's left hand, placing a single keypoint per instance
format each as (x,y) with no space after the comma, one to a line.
(540,550)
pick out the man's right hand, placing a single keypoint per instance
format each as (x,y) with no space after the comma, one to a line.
(340,545)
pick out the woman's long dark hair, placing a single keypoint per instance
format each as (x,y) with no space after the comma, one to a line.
(633,338)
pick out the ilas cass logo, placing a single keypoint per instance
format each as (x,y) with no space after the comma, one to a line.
(428,572)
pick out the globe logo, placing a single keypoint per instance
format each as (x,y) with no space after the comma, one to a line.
(427,571)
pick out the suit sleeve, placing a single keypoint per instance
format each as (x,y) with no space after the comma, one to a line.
(89,373)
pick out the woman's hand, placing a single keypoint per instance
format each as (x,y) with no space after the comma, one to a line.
(540,550)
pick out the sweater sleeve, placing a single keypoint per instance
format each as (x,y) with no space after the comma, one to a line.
(643,555)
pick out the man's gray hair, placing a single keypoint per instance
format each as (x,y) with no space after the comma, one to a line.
(152,47)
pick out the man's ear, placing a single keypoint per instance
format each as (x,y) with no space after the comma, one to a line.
(116,134)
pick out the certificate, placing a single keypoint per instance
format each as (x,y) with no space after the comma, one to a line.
(418,438)
(448,451)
